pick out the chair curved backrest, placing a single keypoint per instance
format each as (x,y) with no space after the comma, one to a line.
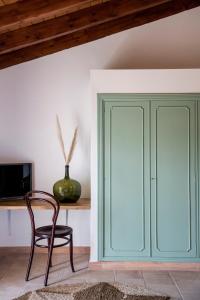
(45,198)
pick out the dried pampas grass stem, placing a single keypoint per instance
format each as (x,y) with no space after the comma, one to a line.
(60,138)
(68,157)
(73,144)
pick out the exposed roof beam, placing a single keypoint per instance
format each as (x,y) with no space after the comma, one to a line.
(92,33)
(72,22)
(188,4)
(23,12)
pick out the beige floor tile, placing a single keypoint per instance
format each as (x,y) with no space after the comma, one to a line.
(130,277)
(13,280)
(95,276)
(13,270)
(126,275)
(11,293)
(30,286)
(185,275)
(162,282)
(191,296)
(157,277)
(168,290)
(188,284)
(61,269)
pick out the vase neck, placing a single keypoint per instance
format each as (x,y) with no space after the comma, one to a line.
(67,171)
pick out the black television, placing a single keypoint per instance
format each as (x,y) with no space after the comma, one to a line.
(15,180)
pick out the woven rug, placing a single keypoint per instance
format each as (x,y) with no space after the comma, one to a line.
(96,291)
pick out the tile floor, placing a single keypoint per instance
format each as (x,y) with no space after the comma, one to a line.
(179,284)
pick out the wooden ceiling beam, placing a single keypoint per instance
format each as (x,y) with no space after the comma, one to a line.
(72,22)
(92,33)
(24,12)
(190,4)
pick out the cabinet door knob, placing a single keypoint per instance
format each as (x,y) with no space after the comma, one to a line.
(153,178)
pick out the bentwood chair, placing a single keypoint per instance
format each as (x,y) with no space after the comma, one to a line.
(47,233)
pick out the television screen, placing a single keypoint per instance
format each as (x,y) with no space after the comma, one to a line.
(15,180)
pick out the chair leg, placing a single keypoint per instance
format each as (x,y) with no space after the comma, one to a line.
(50,250)
(49,243)
(71,253)
(30,258)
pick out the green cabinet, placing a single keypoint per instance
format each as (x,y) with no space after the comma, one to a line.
(126,180)
(147,187)
(173,165)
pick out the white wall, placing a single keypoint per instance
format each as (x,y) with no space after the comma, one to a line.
(32,93)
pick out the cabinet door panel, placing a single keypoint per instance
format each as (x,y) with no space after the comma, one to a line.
(173,179)
(126,167)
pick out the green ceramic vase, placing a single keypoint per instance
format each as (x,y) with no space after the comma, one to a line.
(67,190)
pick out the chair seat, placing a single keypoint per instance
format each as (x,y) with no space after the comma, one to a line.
(60,231)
